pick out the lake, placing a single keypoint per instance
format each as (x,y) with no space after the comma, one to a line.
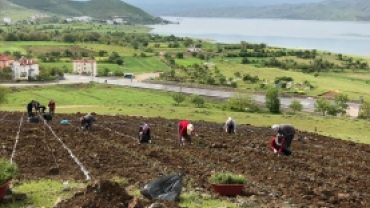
(339,37)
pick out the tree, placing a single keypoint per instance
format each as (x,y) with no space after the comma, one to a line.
(322,105)
(272,100)
(180,55)
(341,101)
(242,102)
(178,98)
(237,74)
(296,105)
(197,100)
(245,60)
(365,110)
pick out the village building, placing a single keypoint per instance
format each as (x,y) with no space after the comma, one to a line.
(7,20)
(24,68)
(85,67)
(5,61)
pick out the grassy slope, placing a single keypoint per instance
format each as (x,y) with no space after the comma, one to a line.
(8,9)
(125,101)
(353,10)
(95,8)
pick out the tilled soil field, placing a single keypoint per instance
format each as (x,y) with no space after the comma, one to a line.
(322,171)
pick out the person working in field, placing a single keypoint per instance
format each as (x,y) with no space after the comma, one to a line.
(38,106)
(230,126)
(29,109)
(287,131)
(51,106)
(87,121)
(144,134)
(277,144)
(186,129)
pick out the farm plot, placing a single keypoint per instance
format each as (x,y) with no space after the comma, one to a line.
(322,172)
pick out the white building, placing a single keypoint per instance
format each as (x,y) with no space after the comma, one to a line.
(7,20)
(83,18)
(85,67)
(24,68)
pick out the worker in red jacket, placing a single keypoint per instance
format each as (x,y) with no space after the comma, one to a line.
(51,107)
(287,131)
(277,145)
(186,129)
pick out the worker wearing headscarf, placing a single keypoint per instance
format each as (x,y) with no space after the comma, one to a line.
(144,134)
(87,121)
(185,130)
(277,145)
(230,126)
(287,131)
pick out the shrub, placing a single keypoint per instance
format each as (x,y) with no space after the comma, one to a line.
(178,98)
(7,170)
(242,103)
(227,178)
(197,100)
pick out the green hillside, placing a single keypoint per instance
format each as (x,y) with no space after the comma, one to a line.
(335,10)
(99,9)
(14,11)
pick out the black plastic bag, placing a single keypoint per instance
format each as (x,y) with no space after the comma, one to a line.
(164,188)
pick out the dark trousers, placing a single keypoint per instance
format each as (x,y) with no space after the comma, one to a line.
(42,108)
(143,138)
(285,150)
(51,111)
(86,124)
(288,140)
(230,129)
(30,114)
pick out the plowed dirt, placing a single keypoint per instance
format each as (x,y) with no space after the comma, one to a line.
(322,171)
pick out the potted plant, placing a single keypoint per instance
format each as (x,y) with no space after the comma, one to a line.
(7,172)
(227,184)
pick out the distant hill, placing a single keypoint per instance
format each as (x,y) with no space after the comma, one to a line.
(100,9)
(176,7)
(335,10)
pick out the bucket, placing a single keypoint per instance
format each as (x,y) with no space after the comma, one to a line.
(228,189)
(4,188)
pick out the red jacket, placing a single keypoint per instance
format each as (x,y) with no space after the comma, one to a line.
(273,145)
(52,105)
(183,127)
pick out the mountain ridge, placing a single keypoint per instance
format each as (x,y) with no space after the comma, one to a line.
(332,10)
(99,9)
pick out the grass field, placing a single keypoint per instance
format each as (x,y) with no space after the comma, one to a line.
(100,28)
(113,100)
(45,193)
(354,88)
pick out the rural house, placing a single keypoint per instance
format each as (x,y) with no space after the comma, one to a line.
(85,67)
(193,49)
(7,20)
(24,68)
(5,61)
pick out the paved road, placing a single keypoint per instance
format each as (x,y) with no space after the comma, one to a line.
(308,104)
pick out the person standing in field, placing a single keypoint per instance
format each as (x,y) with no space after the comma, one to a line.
(144,134)
(185,130)
(287,131)
(230,126)
(51,106)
